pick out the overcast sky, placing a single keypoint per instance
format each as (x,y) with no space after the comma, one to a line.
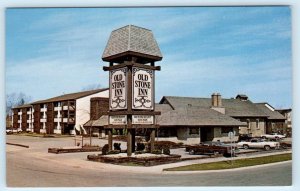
(230,50)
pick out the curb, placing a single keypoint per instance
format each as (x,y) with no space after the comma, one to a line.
(224,170)
(20,145)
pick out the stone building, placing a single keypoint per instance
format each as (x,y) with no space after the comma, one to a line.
(275,122)
(214,117)
(287,113)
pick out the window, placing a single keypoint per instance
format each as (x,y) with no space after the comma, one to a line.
(226,129)
(248,124)
(257,123)
(194,130)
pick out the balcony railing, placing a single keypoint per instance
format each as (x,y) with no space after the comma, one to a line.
(20,113)
(58,119)
(67,107)
(57,108)
(43,120)
(29,112)
(43,109)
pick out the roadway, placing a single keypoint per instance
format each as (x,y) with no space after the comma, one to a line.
(34,167)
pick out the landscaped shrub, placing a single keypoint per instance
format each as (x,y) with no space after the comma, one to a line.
(113,152)
(156,151)
(105,149)
(117,146)
(140,146)
(139,152)
(166,151)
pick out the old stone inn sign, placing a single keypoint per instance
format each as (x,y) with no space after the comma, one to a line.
(131,52)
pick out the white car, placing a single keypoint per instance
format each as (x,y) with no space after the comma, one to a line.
(258,144)
(11,131)
(273,136)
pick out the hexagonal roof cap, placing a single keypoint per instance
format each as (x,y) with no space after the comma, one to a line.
(131,40)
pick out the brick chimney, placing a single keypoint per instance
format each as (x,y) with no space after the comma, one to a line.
(216,103)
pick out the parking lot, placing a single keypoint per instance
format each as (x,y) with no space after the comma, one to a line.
(34,166)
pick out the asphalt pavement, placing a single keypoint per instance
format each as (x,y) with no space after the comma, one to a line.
(34,166)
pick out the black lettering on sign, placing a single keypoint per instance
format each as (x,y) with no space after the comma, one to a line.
(143,92)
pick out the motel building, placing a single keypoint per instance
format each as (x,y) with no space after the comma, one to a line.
(63,114)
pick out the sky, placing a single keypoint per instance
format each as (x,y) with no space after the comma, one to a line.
(229,50)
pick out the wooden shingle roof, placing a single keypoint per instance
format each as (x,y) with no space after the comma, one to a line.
(131,40)
(196,116)
(71,96)
(273,114)
(233,107)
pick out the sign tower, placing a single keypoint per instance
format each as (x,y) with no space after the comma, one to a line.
(131,52)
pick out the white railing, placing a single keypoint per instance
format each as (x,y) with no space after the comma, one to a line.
(28,120)
(65,120)
(29,112)
(43,120)
(68,107)
(20,113)
(58,119)
(19,121)
(43,109)
(57,108)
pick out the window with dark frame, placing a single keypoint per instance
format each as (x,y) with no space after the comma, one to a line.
(194,131)
(226,129)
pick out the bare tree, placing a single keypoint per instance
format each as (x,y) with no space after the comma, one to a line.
(16,99)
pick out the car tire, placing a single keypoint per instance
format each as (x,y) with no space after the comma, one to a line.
(246,147)
(191,152)
(267,147)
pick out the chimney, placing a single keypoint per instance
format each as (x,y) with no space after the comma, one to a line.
(214,100)
(216,103)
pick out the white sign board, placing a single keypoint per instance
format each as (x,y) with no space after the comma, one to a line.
(230,135)
(143,119)
(142,88)
(117,89)
(118,119)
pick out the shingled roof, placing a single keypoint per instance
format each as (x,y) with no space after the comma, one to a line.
(100,122)
(233,107)
(71,96)
(196,116)
(22,106)
(269,110)
(131,40)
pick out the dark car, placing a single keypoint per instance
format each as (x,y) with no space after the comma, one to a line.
(211,148)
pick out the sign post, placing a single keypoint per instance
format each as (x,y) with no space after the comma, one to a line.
(131,52)
(231,137)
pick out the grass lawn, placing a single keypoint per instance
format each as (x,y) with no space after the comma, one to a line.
(235,163)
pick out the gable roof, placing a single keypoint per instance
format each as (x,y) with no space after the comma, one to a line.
(22,106)
(196,116)
(131,39)
(70,96)
(273,114)
(100,122)
(233,107)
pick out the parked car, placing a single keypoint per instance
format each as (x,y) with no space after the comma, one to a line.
(12,130)
(273,136)
(210,148)
(258,144)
